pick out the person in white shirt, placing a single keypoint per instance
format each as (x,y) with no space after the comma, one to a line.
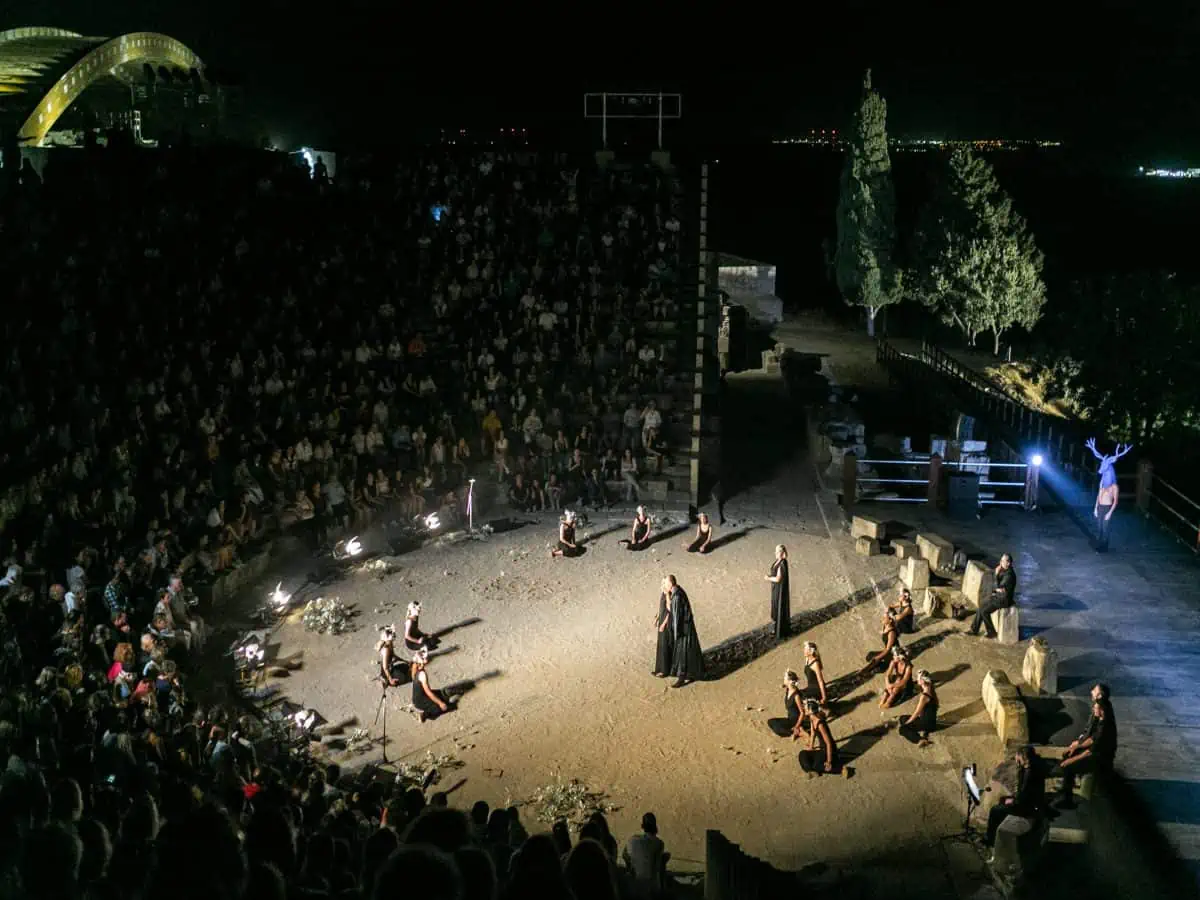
(380,414)
(304,451)
(645,858)
(651,421)
(646,354)
(359,441)
(547,320)
(531,427)
(427,387)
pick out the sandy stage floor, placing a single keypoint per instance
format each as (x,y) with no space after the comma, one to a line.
(561,656)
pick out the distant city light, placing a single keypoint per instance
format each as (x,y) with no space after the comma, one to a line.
(1169,173)
(830,138)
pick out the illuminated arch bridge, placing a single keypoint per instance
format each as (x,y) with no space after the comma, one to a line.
(44,70)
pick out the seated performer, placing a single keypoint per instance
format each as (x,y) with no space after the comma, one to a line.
(820,757)
(905,615)
(1029,798)
(639,538)
(897,680)
(814,674)
(793,708)
(917,727)
(1002,597)
(890,638)
(414,637)
(1094,750)
(429,703)
(704,535)
(389,664)
(566,537)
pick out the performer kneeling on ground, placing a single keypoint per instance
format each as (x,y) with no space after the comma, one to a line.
(821,756)
(897,680)
(891,640)
(905,615)
(917,727)
(389,663)
(793,707)
(1094,750)
(429,703)
(414,637)
(566,537)
(1029,798)
(639,538)
(704,535)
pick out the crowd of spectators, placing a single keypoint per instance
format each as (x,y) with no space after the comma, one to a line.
(201,349)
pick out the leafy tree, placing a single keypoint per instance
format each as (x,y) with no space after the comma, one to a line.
(1126,359)
(864,259)
(980,268)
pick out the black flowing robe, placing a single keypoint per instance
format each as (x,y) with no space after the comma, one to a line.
(665,654)
(689,660)
(781,600)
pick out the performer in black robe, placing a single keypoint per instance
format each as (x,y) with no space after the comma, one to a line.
(781,600)
(566,537)
(793,707)
(665,654)
(688,662)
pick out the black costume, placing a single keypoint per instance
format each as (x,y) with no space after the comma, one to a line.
(812,687)
(1103,733)
(915,727)
(702,538)
(905,615)
(421,701)
(566,539)
(665,654)
(814,760)
(1027,802)
(414,637)
(781,600)
(791,708)
(641,528)
(688,661)
(1002,598)
(1103,526)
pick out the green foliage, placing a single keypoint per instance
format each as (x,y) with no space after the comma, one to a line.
(979,268)
(864,258)
(1126,356)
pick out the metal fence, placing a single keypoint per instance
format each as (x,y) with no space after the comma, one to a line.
(1011,486)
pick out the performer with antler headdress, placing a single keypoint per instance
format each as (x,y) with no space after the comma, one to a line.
(1109,492)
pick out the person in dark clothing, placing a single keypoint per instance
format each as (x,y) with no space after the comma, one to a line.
(1003,594)
(1094,750)
(1029,798)
(687,661)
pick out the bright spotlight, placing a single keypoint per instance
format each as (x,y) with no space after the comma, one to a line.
(432,522)
(304,719)
(279,597)
(353,546)
(1036,459)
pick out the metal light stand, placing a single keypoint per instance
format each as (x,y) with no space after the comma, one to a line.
(470,506)
(382,710)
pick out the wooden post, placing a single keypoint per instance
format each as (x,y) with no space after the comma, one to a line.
(849,483)
(935,480)
(1145,481)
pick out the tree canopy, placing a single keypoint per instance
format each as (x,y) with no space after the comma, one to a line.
(978,266)
(864,259)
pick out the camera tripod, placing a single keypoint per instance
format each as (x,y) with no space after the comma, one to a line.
(381,710)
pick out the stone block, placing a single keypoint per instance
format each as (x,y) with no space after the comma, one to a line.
(978,581)
(994,682)
(1012,723)
(1007,623)
(936,602)
(1040,667)
(904,549)
(914,572)
(1018,846)
(865,526)
(865,546)
(938,551)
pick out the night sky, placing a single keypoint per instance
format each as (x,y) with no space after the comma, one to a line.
(1122,75)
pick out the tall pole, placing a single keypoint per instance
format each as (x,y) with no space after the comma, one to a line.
(604,120)
(660,119)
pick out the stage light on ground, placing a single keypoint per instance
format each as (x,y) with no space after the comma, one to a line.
(279,597)
(304,719)
(1036,459)
(353,546)
(432,522)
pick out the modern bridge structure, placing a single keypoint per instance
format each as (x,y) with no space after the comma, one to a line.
(43,71)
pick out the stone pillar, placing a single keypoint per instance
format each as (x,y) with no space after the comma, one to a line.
(1040,667)
(977,584)
(1145,481)
(935,480)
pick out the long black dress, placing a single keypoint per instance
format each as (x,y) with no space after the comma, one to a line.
(688,662)
(567,538)
(665,654)
(791,707)
(421,701)
(781,601)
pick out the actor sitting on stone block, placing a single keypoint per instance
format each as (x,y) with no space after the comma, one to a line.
(903,609)
(1002,597)
(1094,750)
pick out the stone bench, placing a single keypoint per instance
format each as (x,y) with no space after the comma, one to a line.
(865,546)
(865,526)
(1007,623)
(1019,845)
(904,549)
(938,551)
(1005,708)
